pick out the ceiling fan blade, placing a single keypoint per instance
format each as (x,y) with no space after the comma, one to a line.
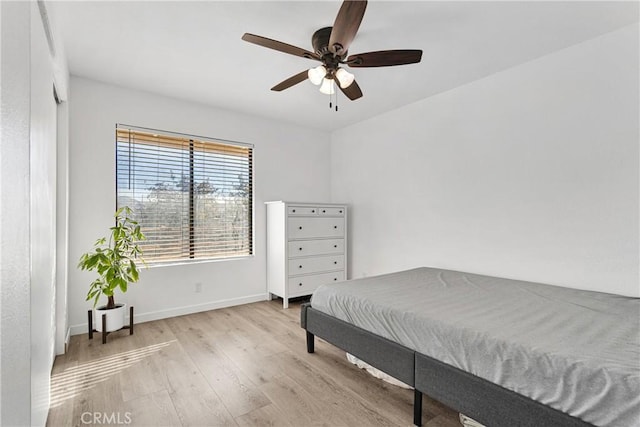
(279,46)
(346,25)
(293,80)
(352,92)
(384,58)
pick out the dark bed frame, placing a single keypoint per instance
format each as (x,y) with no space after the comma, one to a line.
(477,398)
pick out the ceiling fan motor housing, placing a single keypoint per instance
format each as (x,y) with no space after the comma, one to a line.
(320,43)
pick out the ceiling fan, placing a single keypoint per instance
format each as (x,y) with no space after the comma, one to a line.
(331,46)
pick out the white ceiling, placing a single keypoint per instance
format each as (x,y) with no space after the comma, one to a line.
(193,50)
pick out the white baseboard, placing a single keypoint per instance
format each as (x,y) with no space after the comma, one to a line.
(180,311)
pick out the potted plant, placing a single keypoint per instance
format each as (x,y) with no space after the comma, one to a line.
(115,261)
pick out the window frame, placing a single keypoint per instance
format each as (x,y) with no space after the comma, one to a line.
(199,139)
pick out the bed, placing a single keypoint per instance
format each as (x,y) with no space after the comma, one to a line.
(503,352)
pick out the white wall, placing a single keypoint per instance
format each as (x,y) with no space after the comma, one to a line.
(530,173)
(15,367)
(290,163)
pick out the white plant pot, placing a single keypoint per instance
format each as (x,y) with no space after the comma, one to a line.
(115,317)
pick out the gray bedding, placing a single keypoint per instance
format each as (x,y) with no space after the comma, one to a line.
(573,350)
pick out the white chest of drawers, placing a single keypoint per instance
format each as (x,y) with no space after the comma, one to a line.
(306,247)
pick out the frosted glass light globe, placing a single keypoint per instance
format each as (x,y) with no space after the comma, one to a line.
(317,74)
(327,87)
(345,78)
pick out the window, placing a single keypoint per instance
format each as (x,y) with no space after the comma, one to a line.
(192,196)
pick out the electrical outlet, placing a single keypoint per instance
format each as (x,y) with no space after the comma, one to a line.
(198,287)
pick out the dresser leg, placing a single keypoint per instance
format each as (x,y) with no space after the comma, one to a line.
(285,302)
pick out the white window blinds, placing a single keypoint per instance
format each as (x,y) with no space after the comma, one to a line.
(191,196)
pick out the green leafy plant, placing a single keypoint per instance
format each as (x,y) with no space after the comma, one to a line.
(115,261)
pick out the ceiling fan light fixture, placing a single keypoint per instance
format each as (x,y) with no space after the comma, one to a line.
(317,74)
(327,87)
(345,78)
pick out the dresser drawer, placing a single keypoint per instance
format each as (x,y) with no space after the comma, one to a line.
(315,264)
(331,211)
(302,210)
(303,228)
(300,248)
(305,285)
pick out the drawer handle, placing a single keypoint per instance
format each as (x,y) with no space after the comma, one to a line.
(300,227)
(340,211)
(335,279)
(299,284)
(335,226)
(313,211)
(299,249)
(335,246)
(323,211)
(299,266)
(335,262)
(293,210)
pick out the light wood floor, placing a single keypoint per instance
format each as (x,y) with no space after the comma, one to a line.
(241,366)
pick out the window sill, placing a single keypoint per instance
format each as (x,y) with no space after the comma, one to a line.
(197,261)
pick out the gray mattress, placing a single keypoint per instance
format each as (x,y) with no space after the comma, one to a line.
(573,350)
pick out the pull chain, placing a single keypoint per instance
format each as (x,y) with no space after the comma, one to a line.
(331,100)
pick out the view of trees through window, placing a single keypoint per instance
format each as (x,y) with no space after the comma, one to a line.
(193,198)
